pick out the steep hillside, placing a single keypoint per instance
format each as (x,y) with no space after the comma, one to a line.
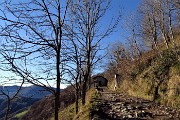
(26,97)
(154,77)
(17,105)
(84,111)
(44,108)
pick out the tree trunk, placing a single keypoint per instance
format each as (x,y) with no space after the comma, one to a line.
(165,38)
(156,94)
(77,98)
(157,48)
(84,94)
(163,29)
(56,110)
(85,82)
(58,80)
(8,108)
(171,29)
(155,38)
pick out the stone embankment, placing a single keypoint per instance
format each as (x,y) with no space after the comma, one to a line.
(118,106)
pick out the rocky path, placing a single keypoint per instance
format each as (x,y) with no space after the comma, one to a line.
(113,106)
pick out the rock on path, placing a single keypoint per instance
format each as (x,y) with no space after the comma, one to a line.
(118,106)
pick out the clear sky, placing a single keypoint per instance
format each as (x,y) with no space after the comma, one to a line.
(126,7)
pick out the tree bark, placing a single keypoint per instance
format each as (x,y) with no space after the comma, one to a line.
(170,25)
(77,98)
(84,93)
(8,108)
(57,94)
(156,90)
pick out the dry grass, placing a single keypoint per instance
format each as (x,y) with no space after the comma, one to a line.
(137,88)
(169,90)
(69,112)
(175,70)
(174,86)
(85,110)
(141,76)
(20,115)
(172,101)
(141,87)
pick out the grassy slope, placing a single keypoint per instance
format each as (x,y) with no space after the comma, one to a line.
(69,112)
(140,87)
(146,74)
(20,115)
(166,69)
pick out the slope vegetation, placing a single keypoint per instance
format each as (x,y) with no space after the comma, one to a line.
(154,77)
(44,108)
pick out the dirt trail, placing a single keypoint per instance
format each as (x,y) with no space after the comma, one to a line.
(118,106)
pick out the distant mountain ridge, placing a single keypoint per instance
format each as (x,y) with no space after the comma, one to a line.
(26,97)
(30,91)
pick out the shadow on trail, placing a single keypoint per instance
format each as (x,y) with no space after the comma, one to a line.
(100,114)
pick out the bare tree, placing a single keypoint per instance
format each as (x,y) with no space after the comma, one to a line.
(120,59)
(177,6)
(34,41)
(5,81)
(9,98)
(149,23)
(170,9)
(160,7)
(87,15)
(161,17)
(132,28)
(74,69)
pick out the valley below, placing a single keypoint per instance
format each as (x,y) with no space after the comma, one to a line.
(26,97)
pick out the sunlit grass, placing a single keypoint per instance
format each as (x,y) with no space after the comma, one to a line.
(69,113)
(20,115)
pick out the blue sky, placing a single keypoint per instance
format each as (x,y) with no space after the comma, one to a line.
(126,7)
